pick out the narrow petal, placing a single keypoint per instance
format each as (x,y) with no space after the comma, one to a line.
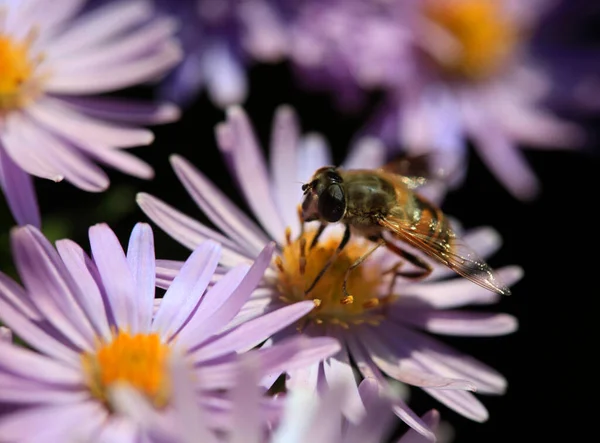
(453,293)
(121,76)
(50,286)
(166,271)
(92,301)
(124,110)
(18,189)
(17,141)
(224,214)
(431,419)
(285,138)
(141,260)
(338,371)
(99,25)
(30,332)
(251,333)
(116,276)
(225,300)
(65,158)
(224,75)
(51,423)
(252,174)
(24,363)
(246,396)
(188,231)
(461,323)
(80,128)
(397,363)
(187,289)
(313,153)
(462,402)
(367,153)
(443,360)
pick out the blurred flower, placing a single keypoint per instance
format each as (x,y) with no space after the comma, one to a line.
(307,417)
(92,323)
(52,61)
(451,71)
(381,327)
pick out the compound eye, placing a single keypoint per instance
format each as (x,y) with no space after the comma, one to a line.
(332,203)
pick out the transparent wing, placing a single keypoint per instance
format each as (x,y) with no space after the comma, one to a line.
(452,251)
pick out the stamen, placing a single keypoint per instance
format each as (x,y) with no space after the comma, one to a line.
(288,236)
(372,303)
(279,264)
(348,300)
(302,260)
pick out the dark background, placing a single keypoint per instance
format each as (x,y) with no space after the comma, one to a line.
(554,238)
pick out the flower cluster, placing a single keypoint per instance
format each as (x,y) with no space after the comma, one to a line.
(306,319)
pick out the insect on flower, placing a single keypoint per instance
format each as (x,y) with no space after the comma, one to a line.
(380,203)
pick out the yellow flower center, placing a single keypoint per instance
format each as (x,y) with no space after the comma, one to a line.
(485,35)
(16,71)
(138,360)
(299,265)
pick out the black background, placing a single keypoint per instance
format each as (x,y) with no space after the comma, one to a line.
(554,238)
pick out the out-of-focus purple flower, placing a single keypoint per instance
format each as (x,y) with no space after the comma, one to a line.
(451,71)
(91,322)
(382,327)
(53,61)
(308,417)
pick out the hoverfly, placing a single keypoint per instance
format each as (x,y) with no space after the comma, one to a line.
(380,203)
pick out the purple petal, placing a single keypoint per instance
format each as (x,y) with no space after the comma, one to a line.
(79,128)
(124,110)
(368,153)
(224,75)
(431,419)
(476,324)
(338,371)
(19,191)
(445,361)
(246,396)
(122,75)
(187,289)
(368,369)
(186,230)
(218,208)
(17,141)
(249,334)
(252,174)
(92,302)
(116,276)
(65,158)
(225,300)
(166,271)
(52,423)
(99,25)
(401,364)
(50,286)
(452,293)
(141,260)
(285,137)
(462,402)
(313,153)
(23,363)
(30,332)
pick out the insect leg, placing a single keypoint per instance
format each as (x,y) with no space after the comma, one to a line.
(413,259)
(333,257)
(357,263)
(315,239)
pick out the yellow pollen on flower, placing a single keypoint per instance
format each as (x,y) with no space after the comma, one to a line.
(16,70)
(138,360)
(485,35)
(299,264)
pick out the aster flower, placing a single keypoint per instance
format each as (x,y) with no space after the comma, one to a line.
(307,416)
(91,322)
(382,329)
(53,61)
(452,71)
